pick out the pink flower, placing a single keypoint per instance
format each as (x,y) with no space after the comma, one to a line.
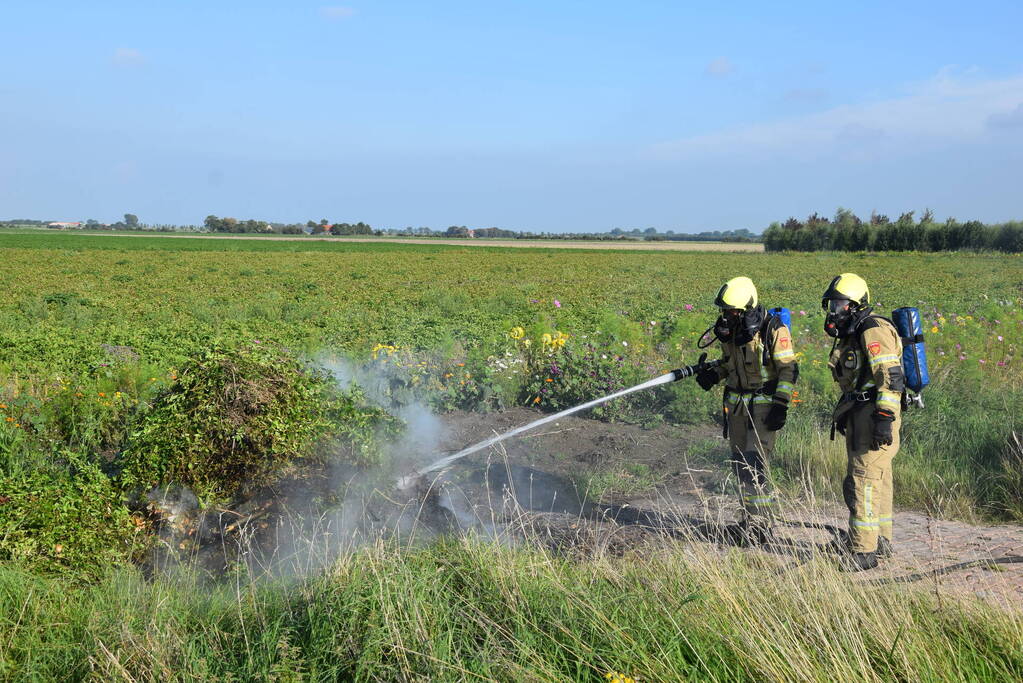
(999,337)
(689,307)
(981,361)
(557,304)
(1001,363)
(802,313)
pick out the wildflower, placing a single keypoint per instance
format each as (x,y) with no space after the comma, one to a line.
(3,406)
(1000,338)
(58,548)
(652,323)
(102,394)
(516,333)
(689,307)
(536,400)
(625,343)
(548,380)
(546,339)
(802,313)
(9,419)
(981,361)
(461,365)
(557,304)
(934,329)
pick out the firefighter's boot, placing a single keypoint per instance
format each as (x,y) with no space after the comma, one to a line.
(857,562)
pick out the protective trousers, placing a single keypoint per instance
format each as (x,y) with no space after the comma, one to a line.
(867,488)
(751,445)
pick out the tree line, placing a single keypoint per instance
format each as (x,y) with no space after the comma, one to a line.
(847,232)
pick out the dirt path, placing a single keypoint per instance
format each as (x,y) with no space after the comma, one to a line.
(550,468)
(535,244)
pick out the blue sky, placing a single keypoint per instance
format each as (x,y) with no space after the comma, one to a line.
(543,116)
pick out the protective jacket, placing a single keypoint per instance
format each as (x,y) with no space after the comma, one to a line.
(867,365)
(768,371)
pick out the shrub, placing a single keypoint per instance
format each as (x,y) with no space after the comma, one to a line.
(235,417)
(64,517)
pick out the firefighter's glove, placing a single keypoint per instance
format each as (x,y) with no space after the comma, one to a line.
(707,378)
(775,418)
(882,435)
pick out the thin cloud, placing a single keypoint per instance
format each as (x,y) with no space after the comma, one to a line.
(127,56)
(1007,119)
(946,108)
(720,67)
(336,12)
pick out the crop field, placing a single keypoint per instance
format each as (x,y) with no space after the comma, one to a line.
(109,345)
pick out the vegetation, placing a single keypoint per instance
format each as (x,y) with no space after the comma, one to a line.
(473,610)
(131,362)
(846,232)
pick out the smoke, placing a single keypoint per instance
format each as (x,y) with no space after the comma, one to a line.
(424,432)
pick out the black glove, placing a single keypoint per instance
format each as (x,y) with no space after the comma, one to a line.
(775,418)
(707,378)
(882,435)
(841,423)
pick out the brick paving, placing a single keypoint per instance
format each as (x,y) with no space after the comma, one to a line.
(923,544)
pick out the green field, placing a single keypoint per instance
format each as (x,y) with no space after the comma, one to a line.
(99,334)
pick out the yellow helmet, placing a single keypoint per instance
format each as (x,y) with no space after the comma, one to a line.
(847,286)
(739,292)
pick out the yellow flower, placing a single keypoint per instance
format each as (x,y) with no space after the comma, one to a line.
(546,339)
(934,329)
(517,333)
(527,342)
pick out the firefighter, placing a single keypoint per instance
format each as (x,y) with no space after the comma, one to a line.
(866,362)
(760,371)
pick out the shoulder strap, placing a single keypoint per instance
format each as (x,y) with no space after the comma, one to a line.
(767,329)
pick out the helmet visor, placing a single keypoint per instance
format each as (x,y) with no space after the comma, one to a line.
(833,306)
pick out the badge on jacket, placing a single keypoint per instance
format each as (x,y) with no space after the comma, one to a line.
(874,348)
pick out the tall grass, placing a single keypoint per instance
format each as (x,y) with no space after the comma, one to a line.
(468,610)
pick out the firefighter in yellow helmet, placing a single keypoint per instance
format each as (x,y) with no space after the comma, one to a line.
(760,373)
(866,362)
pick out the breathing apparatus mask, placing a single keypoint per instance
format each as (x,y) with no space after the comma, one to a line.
(841,316)
(736,326)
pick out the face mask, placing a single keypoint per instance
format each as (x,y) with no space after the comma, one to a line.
(839,318)
(739,326)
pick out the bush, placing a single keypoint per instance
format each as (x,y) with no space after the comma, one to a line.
(65,517)
(235,417)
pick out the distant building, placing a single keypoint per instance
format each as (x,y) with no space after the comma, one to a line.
(65,225)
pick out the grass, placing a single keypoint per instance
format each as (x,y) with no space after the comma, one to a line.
(471,610)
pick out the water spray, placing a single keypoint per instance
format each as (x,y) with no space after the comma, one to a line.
(409,481)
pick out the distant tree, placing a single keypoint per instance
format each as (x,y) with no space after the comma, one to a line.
(131,220)
(92,222)
(457,231)
(213,224)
